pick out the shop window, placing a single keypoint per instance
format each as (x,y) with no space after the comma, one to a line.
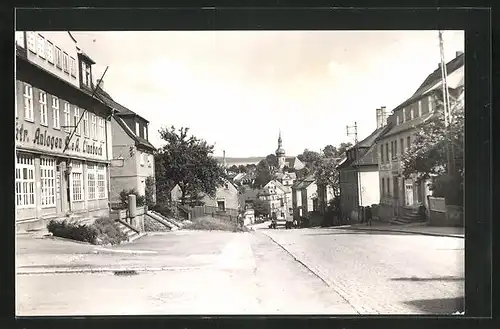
(25,181)
(76,181)
(101,181)
(48,179)
(91,181)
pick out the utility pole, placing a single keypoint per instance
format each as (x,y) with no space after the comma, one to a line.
(446,107)
(353,131)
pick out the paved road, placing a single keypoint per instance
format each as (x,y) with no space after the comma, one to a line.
(383,273)
(316,271)
(249,275)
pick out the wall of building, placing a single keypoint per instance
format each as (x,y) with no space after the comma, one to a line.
(54,40)
(228,193)
(145,168)
(348,190)
(369,187)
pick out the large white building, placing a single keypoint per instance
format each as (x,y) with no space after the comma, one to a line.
(63,133)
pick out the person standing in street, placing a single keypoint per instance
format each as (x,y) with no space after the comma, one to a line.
(368,213)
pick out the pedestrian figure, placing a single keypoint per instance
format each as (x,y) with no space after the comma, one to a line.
(368,213)
(362,213)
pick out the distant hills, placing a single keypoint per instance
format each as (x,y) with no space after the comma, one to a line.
(240,161)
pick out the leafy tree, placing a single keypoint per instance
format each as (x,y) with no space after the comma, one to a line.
(140,200)
(243,169)
(263,173)
(187,162)
(260,208)
(309,158)
(427,157)
(234,168)
(326,174)
(150,192)
(336,152)
(272,161)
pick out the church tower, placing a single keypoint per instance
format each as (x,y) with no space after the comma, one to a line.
(280,153)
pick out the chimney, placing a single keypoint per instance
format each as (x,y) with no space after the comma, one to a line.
(385,115)
(379,118)
(459,53)
(100,83)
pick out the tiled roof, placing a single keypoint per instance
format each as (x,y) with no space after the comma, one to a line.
(435,76)
(407,125)
(122,110)
(365,145)
(139,140)
(282,187)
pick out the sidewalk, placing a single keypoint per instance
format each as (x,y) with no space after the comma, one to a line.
(416,228)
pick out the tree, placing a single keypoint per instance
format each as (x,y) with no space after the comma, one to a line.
(150,192)
(263,174)
(187,162)
(242,169)
(260,208)
(426,158)
(309,158)
(272,161)
(330,151)
(234,168)
(343,147)
(326,174)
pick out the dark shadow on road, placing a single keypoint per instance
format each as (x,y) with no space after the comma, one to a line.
(442,278)
(358,232)
(439,306)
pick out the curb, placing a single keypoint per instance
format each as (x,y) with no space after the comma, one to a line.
(406,231)
(70,270)
(124,251)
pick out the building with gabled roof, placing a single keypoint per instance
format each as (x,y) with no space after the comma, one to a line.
(133,154)
(400,197)
(304,197)
(359,175)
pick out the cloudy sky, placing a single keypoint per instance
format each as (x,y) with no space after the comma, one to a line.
(238,89)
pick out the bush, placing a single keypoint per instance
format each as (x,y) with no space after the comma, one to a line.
(103,231)
(140,200)
(78,232)
(108,231)
(150,192)
(214,224)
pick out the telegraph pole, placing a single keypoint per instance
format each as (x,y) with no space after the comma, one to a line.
(446,106)
(353,131)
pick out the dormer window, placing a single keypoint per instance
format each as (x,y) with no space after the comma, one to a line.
(86,74)
(144,131)
(137,128)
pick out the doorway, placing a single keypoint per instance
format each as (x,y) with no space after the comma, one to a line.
(409,193)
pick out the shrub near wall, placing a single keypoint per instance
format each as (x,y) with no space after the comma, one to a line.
(103,231)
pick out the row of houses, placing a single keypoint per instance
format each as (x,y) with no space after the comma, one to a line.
(371,172)
(76,148)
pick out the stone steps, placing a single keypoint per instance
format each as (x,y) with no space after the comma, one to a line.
(130,233)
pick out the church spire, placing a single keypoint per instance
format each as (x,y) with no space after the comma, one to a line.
(279,139)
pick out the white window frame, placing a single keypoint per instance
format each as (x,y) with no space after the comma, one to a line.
(397,119)
(137,128)
(419,107)
(412,113)
(25,187)
(93,126)
(101,129)
(59,59)
(76,118)
(31,36)
(77,195)
(40,43)
(86,76)
(67,117)
(28,103)
(48,182)
(50,52)
(145,132)
(91,181)
(65,62)
(101,182)
(85,124)
(44,120)
(72,66)
(56,124)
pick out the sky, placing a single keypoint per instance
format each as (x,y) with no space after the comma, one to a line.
(238,89)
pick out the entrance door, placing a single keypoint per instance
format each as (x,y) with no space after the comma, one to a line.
(409,194)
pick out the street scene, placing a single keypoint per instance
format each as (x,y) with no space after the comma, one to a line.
(231,172)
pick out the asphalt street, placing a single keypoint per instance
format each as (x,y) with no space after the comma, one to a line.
(305,271)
